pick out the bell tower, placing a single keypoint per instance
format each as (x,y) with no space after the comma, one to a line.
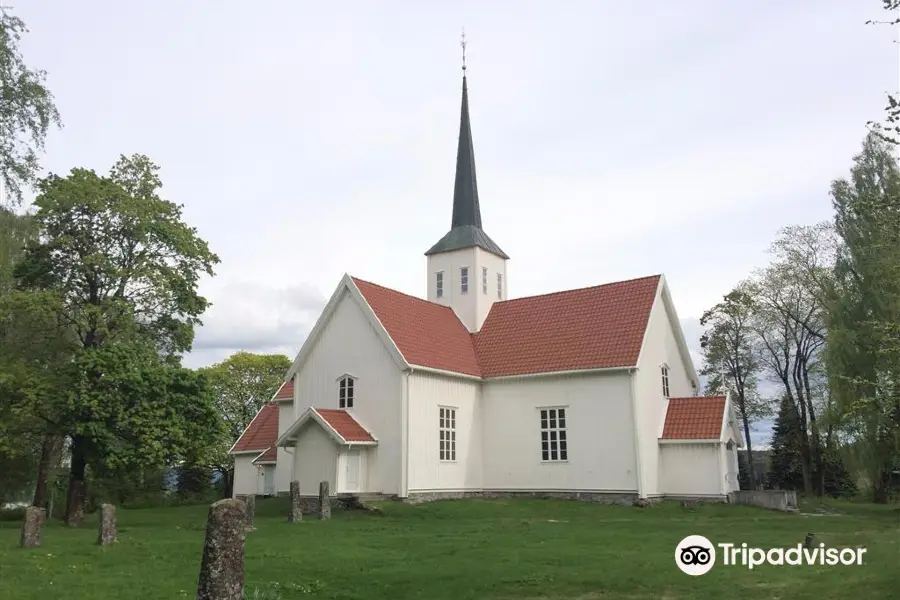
(466,269)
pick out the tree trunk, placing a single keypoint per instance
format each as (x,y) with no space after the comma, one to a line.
(229,482)
(818,456)
(49,449)
(76,495)
(880,488)
(742,407)
(751,468)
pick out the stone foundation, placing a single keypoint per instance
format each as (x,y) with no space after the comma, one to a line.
(623,499)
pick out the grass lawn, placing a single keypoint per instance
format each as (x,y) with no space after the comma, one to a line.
(457,550)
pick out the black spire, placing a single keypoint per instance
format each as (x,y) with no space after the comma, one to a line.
(466,210)
(465,227)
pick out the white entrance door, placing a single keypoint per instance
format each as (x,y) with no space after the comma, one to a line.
(352,476)
(269,480)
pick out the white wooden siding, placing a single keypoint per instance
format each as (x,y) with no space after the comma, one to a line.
(350,344)
(246,475)
(660,347)
(691,469)
(473,306)
(284,462)
(600,429)
(315,460)
(427,393)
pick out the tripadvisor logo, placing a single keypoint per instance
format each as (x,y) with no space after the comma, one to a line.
(696,555)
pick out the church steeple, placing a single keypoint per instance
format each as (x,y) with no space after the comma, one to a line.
(466,210)
(465,226)
(466,269)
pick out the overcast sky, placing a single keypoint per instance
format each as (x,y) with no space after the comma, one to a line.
(613,139)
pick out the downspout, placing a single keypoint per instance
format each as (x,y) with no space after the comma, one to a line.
(637,434)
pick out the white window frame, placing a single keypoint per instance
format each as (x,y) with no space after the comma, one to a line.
(447,433)
(346,391)
(499,286)
(553,421)
(439,284)
(464,280)
(484,278)
(664,373)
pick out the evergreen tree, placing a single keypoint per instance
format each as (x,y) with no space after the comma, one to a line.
(784,459)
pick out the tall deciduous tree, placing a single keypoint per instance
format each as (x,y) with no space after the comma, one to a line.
(30,349)
(791,354)
(125,269)
(729,360)
(864,318)
(241,385)
(27,110)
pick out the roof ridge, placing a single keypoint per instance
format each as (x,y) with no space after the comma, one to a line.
(580,289)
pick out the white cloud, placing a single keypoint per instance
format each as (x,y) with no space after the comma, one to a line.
(613,140)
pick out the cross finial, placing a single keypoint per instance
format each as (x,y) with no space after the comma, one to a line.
(463,44)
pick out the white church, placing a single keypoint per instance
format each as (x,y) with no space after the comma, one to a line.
(585,393)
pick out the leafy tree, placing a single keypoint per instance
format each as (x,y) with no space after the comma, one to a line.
(242,384)
(790,322)
(864,316)
(27,110)
(125,269)
(34,348)
(729,360)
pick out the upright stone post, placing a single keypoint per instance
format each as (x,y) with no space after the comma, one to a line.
(324,502)
(296,513)
(250,501)
(222,568)
(31,527)
(107,524)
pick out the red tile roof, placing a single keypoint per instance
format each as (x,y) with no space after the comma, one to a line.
(694,418)
(286,391)
(271,455)
(262,431)
(344,423)
(427,334)
(589,328)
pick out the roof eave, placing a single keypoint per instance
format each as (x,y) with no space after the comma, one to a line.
(568,372)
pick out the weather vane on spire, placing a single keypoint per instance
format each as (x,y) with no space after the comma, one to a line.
(463,44)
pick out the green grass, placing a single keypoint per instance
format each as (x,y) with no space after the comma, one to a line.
(459,550)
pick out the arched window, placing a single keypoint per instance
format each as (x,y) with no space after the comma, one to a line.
(346,389)
(665,379)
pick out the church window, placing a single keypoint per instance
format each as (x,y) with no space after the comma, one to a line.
(554,445)
(665,380)
(345,392)
(484,284)
(447,428)
(499,286)
(464,280)
(439,284)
